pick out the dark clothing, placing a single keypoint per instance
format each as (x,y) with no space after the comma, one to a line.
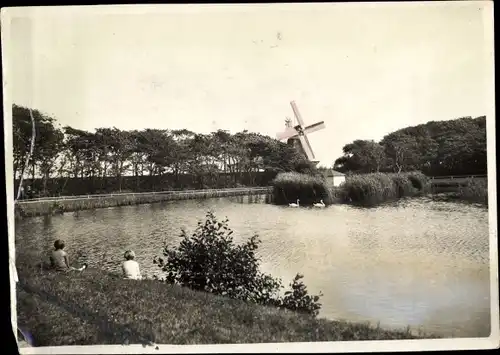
(58,260)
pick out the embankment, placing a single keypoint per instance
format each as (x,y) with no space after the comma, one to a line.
(468,189)
(58,205)
(95,307)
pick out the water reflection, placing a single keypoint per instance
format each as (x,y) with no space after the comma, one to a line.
(417,262)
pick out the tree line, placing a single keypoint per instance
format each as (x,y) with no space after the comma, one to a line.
(437,148)
(110,153)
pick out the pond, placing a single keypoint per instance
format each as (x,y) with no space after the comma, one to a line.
(419,262)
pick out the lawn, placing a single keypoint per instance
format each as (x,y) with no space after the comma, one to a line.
(95,307)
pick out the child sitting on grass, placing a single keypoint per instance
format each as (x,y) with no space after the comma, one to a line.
(130,267)
(59,259)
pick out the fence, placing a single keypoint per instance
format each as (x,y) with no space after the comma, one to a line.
(455,177)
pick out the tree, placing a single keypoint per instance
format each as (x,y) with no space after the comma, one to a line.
(181,154)
(50,146)
(401,151)
(216,159)
(120,149)
(462,147)
(452,147)
(361,156)
(28,154)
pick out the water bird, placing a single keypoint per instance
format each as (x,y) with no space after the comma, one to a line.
(294,204)
(320,204)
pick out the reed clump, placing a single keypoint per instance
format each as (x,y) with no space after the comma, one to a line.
(309,189)
(376,188)
(474,190)
(419,180)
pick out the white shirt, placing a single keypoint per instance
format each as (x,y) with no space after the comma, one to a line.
(131,270)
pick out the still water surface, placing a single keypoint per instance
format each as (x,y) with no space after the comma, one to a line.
(417,263)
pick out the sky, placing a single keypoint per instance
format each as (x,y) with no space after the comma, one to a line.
(365,69)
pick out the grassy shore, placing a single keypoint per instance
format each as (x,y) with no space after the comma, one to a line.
(96,307)
(474,190)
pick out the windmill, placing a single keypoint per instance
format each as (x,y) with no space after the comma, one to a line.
(297,134)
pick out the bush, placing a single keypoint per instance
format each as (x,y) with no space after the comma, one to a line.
(290,186)
(419,180)
(210,261)
(403,186)
(299,300)
(57,208)
(474,190)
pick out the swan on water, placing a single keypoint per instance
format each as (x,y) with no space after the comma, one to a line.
(294,204)
(320,204)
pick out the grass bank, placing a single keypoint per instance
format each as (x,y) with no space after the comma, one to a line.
(95,307)
(474,190)
(376,188)
(61,205)
(290,186)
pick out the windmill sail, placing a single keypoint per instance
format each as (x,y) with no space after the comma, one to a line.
(288,133)
(297,113)
(298,133)
(307,147)
(315,127)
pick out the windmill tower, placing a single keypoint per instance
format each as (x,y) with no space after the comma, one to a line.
(296,134)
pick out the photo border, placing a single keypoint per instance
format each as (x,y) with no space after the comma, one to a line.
(493,341)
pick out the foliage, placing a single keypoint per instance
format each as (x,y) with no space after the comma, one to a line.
(299,300)
(453,147)
(361,156)
(419,180)
(375,188)
(215,159)
(49,143)
(474,190)
(290,186)
(209,260)
(402,185)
